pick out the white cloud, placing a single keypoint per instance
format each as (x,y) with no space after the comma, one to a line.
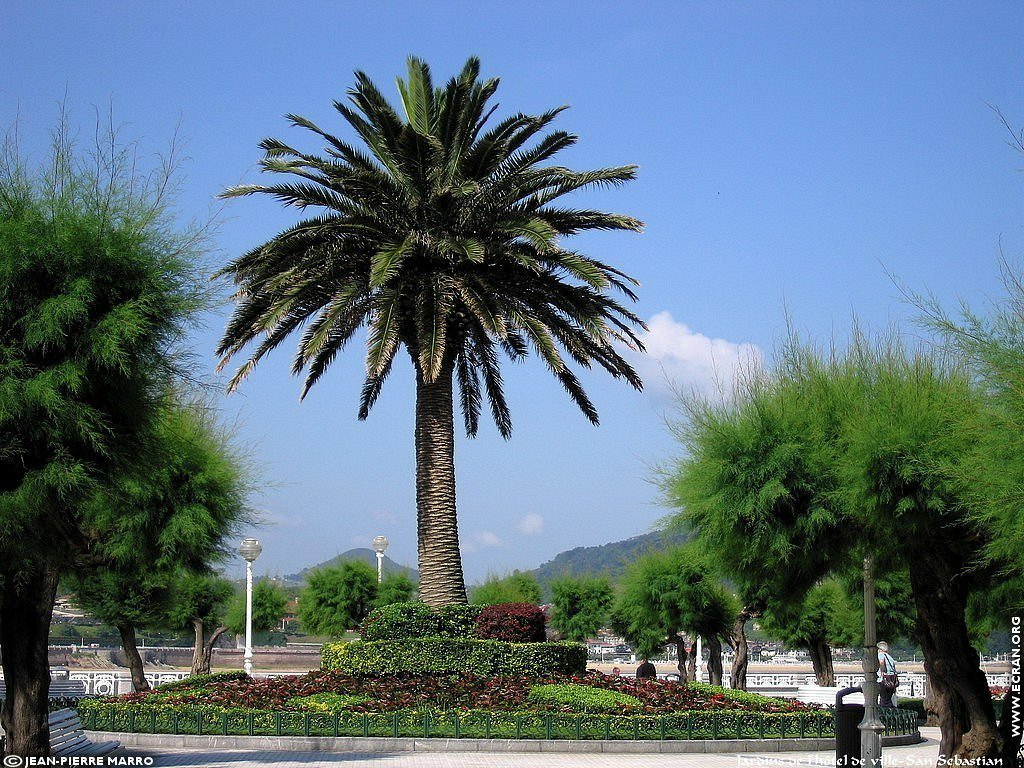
(679,357)
(478,540)
(531,524)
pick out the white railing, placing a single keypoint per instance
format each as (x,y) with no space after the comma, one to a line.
(912,684)
(115,682)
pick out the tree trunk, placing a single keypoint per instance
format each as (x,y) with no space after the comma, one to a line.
(681,657)
(1010,727)
(437,525)
(821,661)
(961,699)
(202,653)
(714,659)
(25,615)
(945,709)
(741,652)
(131,652)
(691,662)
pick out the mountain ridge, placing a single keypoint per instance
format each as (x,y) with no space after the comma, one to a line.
(610,560)
(362,554)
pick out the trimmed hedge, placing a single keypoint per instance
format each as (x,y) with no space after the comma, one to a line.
(400,621)
(100,715)
(457,620)
(438,655)
(405,621)
(511,622)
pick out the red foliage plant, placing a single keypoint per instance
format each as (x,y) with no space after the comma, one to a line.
(511,622)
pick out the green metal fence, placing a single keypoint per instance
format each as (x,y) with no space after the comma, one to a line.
(484,725)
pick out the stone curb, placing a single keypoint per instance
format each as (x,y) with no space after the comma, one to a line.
(355,744)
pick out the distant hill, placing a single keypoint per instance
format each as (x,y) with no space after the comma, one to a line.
(389,566)
(603,560)
(606,559)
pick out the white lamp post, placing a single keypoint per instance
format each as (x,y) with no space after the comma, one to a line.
(380,543)
(250,549)
(871,726)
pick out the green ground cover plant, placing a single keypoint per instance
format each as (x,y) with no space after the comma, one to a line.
(582,698)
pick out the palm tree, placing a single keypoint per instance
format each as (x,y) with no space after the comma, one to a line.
(440,237)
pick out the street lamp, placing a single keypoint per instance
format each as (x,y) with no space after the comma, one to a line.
(871,726)
(250,549)
(380,543)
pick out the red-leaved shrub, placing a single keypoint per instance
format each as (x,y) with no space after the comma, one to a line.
(511,622)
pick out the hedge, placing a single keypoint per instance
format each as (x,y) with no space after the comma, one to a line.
(400,621)
(511,622)
(101,715)
(438,655)
(457,620)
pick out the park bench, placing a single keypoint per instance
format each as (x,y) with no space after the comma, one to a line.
(67,737)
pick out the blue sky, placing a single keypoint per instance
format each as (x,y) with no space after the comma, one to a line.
(790,154)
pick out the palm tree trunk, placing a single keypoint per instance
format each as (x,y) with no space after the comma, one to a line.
(437,525)
(25,615)
(131,653)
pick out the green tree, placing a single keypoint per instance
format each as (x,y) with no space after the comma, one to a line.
(815,623)
(395,588)
(581,606)
(668,595)
(517,587)
(268,604)
(198,602)
(96,282)
(828,459)
(441,236)
(337,598)
(126,600)
(174,507)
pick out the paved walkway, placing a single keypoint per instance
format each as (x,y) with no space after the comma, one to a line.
(924,754)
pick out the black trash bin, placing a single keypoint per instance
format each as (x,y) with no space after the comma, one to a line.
(848,717)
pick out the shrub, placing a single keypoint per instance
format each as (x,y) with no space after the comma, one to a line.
(747,699)
(329,701)
(511,622)
(457,620)
(400,621)
(198,682)
(582,698)
(452,656)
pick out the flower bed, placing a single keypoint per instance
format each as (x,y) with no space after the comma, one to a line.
(443,692)
(329,704)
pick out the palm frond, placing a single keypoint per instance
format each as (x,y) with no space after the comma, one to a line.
(440,233)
